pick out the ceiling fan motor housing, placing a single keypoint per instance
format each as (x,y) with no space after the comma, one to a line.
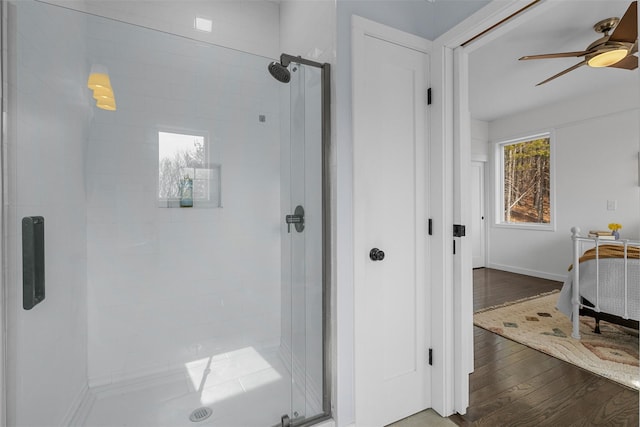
(606,25)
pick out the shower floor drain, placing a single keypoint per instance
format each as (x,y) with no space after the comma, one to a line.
(200,414)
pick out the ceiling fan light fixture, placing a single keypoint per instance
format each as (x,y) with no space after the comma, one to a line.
(608,58)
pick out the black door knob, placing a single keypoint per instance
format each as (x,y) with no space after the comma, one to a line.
(376,254)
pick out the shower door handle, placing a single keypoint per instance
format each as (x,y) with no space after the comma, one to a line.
(297,219)
(32,261)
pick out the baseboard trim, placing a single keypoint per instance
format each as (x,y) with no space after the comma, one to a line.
(528,272)
(79,408)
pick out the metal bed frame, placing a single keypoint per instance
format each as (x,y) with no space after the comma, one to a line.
(584,307)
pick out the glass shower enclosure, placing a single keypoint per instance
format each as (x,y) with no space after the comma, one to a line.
(165,226)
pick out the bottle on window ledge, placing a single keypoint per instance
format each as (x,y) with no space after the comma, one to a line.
(186,192)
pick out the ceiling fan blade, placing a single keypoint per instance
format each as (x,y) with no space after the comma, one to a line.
(628,63)
(555,55)
(627,28)
(562,73)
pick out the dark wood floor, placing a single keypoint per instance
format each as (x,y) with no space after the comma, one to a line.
(513,385)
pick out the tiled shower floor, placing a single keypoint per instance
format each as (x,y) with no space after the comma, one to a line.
(244,388)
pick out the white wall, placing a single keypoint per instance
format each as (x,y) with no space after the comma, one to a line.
(596,160)
(245,25)
(49,114)
(308,29)
(169,286)
(479,140)
(122,222)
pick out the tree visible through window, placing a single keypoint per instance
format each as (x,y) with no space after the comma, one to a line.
(527,181)
(186,155)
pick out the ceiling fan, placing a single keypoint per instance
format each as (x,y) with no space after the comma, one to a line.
(615,50)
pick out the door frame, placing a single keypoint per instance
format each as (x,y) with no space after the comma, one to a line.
(362,28)
(4,140)
(483,227)
(452,127)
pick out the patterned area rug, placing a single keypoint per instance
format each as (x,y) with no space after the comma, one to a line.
(536,323)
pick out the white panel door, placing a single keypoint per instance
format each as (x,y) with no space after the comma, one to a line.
(391,319)
(477,220)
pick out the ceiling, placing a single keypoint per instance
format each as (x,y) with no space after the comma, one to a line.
(500,85)
(427,19)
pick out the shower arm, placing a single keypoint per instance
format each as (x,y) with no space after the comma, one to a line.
(286,59)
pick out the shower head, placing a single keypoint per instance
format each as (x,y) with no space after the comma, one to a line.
(279,72)
(279,69)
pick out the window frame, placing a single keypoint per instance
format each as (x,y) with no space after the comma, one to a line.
(174,202)
(498,156)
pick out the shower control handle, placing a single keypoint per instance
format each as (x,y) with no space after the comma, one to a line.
(297,219)
(376,254)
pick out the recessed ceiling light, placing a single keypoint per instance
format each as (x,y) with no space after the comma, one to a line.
(203,24)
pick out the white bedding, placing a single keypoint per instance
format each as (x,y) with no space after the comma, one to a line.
(611,293)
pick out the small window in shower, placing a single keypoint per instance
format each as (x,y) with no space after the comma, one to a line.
(186,156)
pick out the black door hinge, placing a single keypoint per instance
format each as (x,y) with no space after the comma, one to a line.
(430,227)
(429,96)
(431,356)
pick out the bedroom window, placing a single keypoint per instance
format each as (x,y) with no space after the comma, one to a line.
(186,155)
(525,197)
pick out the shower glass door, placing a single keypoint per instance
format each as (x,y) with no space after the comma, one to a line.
(163,169)
(305,259)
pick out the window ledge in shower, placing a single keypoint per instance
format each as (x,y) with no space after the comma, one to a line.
(326,423)
(205,187)
(185,167)
(196,204)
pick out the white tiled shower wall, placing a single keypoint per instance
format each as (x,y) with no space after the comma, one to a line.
(137,247)
(48,127)
(168,286)
(245,25)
